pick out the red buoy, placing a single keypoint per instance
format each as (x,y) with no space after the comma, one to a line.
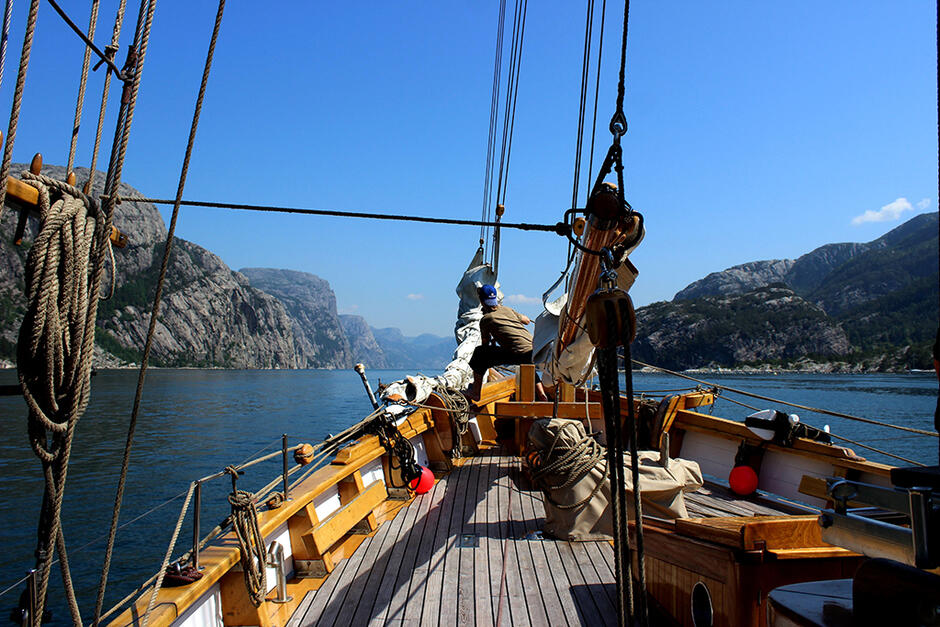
(424,482)
(743,480)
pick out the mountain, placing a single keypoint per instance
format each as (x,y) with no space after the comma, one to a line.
(363,345)
(319,338)
(870,305)
(211,316)
(424,351)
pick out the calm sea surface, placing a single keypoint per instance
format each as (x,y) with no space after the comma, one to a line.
(194,422)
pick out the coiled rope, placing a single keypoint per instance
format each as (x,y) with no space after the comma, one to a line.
(457,405)
(250,540)
(570,463)
(54,352)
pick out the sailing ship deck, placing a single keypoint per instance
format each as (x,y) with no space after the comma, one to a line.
(470,552)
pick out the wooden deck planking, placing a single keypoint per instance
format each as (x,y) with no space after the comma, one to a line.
(413,527)
(412,571)
(483,605)
(419,577)
(515,588)
(553,598)
(495,540)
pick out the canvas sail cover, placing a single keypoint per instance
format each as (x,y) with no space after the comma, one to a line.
(457,375)
(661,486)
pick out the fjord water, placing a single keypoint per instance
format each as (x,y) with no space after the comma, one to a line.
(193,423)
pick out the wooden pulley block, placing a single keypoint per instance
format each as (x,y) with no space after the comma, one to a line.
(604,208)
(602,304)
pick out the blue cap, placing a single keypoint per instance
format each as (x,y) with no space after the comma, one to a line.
(487,295)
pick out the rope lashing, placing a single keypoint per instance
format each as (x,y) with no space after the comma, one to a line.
(570,462)
(250,540)
(55,348)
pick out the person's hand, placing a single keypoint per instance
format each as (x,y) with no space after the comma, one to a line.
(525,319)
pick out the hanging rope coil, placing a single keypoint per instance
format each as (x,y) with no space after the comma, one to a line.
(458,407)
(54,352)
(250,540)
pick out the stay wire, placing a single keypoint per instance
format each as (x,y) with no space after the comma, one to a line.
(558,227)
(494,107)
(597,90)
(853,442)
(582,101)
(512,124)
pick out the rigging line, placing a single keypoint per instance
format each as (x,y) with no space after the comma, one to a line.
(7,13)
(137,55)
(88,42)
(585,64)
(597,90)
(852,442)
(112,49)
(515,96)
(512,124)
(514,55)
(559,227)
(82,83)
(494,106)
(17,99)
(798,406)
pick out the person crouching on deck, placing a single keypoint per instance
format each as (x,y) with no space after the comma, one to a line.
(506,341)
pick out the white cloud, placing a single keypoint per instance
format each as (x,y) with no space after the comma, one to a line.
(923,204)
(522,299)
(351,309)
(415,296)
(891,211)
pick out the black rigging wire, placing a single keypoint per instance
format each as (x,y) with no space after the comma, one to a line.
(585,64)
(494,106)
(509,116)
(597,90)
(559,228)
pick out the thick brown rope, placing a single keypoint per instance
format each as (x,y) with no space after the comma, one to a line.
(250,541)
(17,99)
(112,49)
(54,352)
(82,83)
(118,153)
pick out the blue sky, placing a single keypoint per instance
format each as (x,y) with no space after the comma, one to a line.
(757,131)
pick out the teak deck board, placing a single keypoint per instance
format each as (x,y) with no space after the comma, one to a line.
(412,570)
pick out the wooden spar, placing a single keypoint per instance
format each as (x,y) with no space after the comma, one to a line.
(25,197)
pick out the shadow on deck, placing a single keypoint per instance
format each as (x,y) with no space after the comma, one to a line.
(468,552)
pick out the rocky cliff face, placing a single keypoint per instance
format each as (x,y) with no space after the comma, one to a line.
(768,324)
(318,335)
(362,343)
(210,316)
(738,279)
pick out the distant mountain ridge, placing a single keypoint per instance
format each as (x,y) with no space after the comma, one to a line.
(863,306)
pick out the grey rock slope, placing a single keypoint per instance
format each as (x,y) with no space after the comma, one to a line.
(767,324)
(318,334)
(210,315)
(362,343)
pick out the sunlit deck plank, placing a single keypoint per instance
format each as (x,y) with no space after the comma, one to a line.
(412,572)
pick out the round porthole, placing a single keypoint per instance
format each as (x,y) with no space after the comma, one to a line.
(702,614)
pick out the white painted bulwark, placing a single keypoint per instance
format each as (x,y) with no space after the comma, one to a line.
(282,536)
(206,612)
